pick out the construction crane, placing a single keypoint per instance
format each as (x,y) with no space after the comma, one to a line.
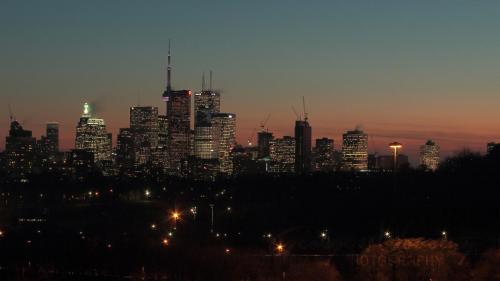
(263,123)
(249,139)
(296,114)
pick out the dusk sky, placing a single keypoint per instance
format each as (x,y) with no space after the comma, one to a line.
(405,71)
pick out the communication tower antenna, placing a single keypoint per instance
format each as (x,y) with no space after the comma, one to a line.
(11,116)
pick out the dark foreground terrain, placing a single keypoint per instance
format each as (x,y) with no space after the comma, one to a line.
(414,225)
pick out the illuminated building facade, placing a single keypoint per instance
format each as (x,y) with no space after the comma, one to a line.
(282,154)
(19,154)
(179,124)
(206,103)
(224,135)
(145,128)
(355,150)
(323,158)
(429,155)
(91,135)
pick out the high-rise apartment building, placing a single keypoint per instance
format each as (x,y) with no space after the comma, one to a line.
(282,153)
(355,150)
(429,155)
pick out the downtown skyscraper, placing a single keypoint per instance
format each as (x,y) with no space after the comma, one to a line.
(206,103)
(19,154)
(178,115)
(144,128)
(303,154)
(91,136)
(224,132)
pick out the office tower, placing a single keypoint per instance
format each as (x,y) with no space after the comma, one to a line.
(145,129)
(282,153)
(429,155)
(223,130)
(52,137)
(355,150)
(48,145)
(19,151)
(52,133)
(264,139)
(91,135)
(204,143)
(179,124)
(302,146)
(206,103)
(125,152)
(161,152)
(323,155)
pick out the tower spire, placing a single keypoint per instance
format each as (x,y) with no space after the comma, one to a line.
(203,82)
(169,70)
(210,80)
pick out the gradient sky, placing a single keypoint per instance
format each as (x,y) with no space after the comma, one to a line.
(404,70)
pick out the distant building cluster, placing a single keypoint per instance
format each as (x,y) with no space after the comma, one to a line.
(158,143)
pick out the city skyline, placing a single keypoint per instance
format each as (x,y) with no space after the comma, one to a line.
(351,71)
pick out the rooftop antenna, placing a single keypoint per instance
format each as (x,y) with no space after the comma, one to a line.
(203,81)
(304,106)
(169,69)
(210,80)
(11,116)
(296,114)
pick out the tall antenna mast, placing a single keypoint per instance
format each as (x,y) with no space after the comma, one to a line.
(203,81)
(169,69)
(11,117)
(210,80)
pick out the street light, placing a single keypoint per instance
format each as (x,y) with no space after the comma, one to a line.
(280,248)
(395,146)
(175,216)
(387,234)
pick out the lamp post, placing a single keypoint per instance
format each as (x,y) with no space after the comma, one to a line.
(175,216)
(395,146)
